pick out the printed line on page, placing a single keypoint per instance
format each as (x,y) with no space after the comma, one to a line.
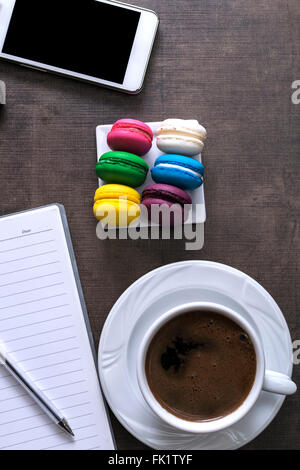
(32,301)
(33,358)
(75,406)
(30,267)
(32,440)
(27,235)
(42,344)
(28,257)
(23,419)
(72,395)
(55,363)
(30,279)
(76,440)
(85,427)
(80,416)
(19,408)
(57,398)
(32,290)
(51,423)
(42,333)
(42,414)
(9,386)
(31,324)
(63,385)
(35,311)
(17,396)
(59,375)
(27,246)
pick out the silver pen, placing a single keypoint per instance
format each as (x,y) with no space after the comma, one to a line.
(39,397)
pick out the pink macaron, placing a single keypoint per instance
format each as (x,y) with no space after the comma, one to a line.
(130,135)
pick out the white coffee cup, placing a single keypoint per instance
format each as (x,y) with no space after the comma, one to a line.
(267,380)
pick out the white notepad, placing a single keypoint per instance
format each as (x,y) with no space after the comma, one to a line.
(44,326)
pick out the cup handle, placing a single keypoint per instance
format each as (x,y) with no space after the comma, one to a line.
(278,383)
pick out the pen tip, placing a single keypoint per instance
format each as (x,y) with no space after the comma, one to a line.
(65,426)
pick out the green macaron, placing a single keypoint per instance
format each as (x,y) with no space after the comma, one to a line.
(122,168)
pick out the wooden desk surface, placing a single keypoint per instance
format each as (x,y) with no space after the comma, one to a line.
(230,64)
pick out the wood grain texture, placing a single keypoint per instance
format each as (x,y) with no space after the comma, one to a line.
(230,64)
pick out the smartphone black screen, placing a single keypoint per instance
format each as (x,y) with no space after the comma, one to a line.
(85,36)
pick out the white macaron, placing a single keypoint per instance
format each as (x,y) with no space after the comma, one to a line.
(183,137)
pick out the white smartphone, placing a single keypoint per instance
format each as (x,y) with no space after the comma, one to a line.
(100,41)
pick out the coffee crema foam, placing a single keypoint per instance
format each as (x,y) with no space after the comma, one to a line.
(200,366)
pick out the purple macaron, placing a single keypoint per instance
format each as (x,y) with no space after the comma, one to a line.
(165,194)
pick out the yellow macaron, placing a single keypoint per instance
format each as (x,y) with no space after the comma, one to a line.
(117,204)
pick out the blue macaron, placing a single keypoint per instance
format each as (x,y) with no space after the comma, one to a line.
(177,170)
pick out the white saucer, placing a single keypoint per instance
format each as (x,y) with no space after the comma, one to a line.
(154,294)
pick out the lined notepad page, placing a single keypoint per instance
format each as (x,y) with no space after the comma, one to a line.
(43,327)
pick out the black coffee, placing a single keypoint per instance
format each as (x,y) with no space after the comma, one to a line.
(200,366)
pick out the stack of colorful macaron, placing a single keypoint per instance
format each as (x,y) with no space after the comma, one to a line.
(178,170)
(122,169)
